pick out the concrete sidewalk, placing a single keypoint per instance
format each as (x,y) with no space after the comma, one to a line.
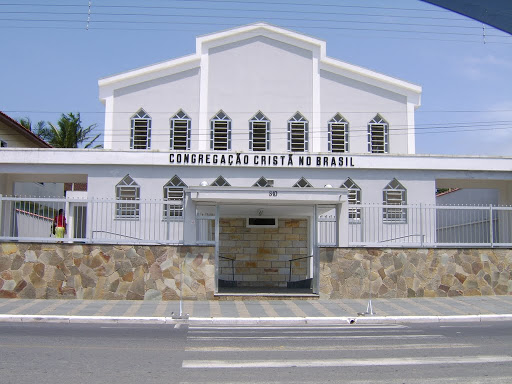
(487,308)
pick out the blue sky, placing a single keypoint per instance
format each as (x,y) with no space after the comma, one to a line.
(52,57)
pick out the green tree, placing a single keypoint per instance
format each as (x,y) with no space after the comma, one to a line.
(26,123)
(69,133)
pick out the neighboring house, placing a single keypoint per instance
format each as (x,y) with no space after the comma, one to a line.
(263,145)
(14,135)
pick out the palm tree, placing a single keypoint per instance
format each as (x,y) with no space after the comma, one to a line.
(26,123)
(68,133)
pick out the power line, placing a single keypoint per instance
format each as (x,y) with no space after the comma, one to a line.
(231,10)
(236,17)
(223,24)
(244,2)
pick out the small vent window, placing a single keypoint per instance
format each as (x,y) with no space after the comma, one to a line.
(265,222)
(140,135)
(220,182)
(262,182)
(259,133)
(354,198)
(220,132)
(298,134)
(180,131)
(394,194)
(127,189)
(378,135)
(302,183)
(338,134)
(174,194)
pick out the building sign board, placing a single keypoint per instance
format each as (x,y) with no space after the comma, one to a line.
(262,160)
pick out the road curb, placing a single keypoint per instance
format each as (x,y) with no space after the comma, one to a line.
(88,319)
(247,321)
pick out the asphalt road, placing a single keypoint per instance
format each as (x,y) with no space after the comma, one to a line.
(99,353)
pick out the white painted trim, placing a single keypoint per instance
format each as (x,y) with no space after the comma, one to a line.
(108,133)
(260,29)
(412,91)
(411,130)
(255,196)
(107,85)
(315,138)
(87,157)
(204,43)
(203,128)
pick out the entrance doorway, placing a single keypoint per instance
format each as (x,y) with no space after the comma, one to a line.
(271,257)
(266,239)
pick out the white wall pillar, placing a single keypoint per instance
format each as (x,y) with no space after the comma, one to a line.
(189,221)
(316,123)
(217,246)
(108,133)
(342,222)
(203,136)
(6,189)
(411,130)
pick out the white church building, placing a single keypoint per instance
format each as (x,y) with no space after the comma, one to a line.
(262,145)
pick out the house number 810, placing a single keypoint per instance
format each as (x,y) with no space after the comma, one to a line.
(272,193)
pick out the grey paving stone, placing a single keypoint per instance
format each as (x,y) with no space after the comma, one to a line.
(255,309)
(228,309)
(281,308)
(474,305)
(202,309)
(147,309)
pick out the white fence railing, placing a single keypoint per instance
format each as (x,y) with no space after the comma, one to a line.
(431,226)
(92,221)
(162,222)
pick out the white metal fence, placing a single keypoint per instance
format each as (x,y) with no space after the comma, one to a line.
(431,226)
(92,221)
(159,222)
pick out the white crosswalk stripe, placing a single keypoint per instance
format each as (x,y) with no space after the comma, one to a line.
(443,380)
(288,363)
(237,348)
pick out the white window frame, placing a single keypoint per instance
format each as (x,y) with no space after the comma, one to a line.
(220,182)
(378,135)
(180,131)
(174,195)
(220,132)
(354,198)
(140,133)
(394,193)
(263,182)
(338,134)
(302,183)
(259,132)
(298,133)
(127,189)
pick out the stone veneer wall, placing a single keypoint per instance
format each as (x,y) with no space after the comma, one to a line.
(153,272)
(345,272)
(262,254)
(50,271)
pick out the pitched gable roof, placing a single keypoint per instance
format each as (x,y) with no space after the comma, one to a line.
(20,130)
(204,43)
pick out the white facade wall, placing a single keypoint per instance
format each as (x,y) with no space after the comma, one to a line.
(260,74)
(259,68)
(359,103)
(161,99)
(151,180)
